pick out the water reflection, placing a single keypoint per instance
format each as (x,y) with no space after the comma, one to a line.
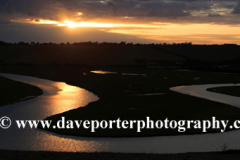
(201,91)
(59,97)
(124,74)
(103,72)
(70,97)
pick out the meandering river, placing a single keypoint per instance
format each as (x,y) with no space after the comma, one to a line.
(59,97)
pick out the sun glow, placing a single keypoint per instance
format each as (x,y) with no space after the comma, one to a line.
(167,32)
(72,24)
(68,23)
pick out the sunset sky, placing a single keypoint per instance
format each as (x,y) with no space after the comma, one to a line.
(137,21)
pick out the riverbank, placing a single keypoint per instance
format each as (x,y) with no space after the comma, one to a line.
(233,91)
(118,98)
(13,91)
(27,155)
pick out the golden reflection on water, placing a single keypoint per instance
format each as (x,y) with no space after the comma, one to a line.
(68,98)
(58,97)
(103,72)
(50,142)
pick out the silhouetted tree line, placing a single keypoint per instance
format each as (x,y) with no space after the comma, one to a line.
(89,43)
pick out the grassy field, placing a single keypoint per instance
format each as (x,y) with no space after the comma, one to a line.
(80,55)
(117,92)
(114,54)
(211,53)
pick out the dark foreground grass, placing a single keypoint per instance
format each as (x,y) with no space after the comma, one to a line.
(117,98)
(233,91)
(29,155)
(13,91)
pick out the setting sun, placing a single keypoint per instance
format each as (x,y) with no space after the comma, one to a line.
(70,24)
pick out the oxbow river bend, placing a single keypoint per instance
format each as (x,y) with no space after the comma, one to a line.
(59,97)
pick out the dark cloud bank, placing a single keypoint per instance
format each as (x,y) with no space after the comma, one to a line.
(56,9)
